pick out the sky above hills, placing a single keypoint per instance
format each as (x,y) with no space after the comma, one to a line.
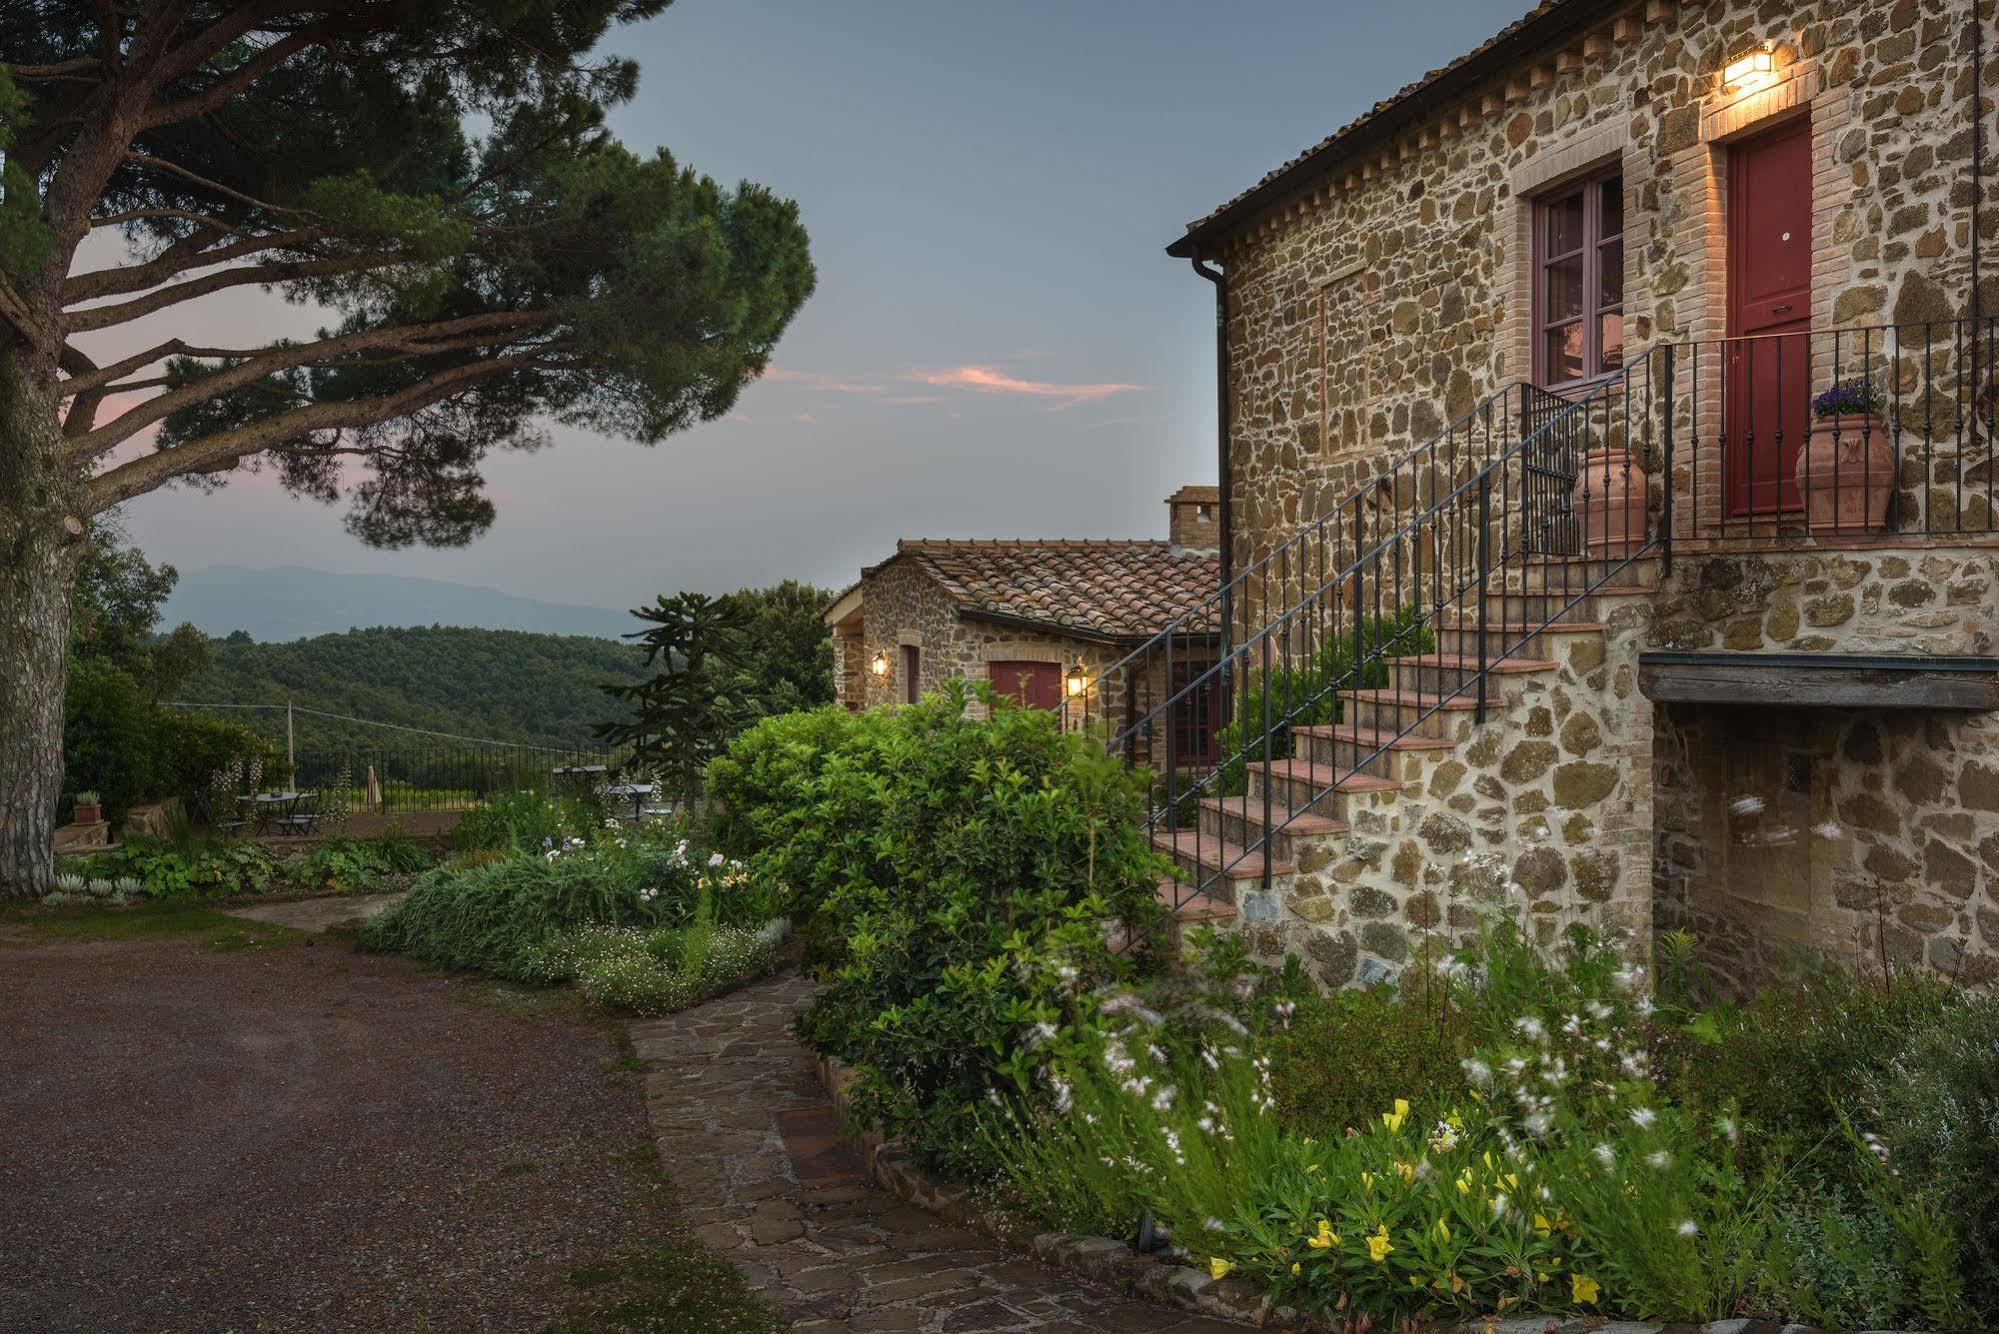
(999,345)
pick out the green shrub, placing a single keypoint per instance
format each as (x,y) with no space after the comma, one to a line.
(193,747)
(501,914)
(657,971)
(1350,1053)
(1307,695)
(521,821)
(1939,1124)
(960,872)
(1803,1054)
(108,735)
(201,868)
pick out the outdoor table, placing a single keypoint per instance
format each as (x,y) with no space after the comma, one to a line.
(280,808)
(638,792)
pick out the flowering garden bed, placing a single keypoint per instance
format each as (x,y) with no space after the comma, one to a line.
(1531,1125)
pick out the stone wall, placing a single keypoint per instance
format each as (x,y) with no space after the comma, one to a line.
(1386,299)
(901,605)
(1545,811)
(1868,835)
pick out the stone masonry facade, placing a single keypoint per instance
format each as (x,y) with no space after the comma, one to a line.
(1383,296)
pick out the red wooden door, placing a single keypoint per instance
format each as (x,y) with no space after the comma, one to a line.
(1767,415)
(1037,684)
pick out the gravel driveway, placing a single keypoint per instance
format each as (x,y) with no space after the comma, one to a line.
(299,1138)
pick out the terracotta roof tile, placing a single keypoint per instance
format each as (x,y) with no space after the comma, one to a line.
(1338,139)
(1103,587)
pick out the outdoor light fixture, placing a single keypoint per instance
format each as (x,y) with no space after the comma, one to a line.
(1751,69)
(879,664)
(1077,681)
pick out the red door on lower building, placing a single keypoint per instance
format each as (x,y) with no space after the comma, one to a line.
(1767,413)
(1037,684)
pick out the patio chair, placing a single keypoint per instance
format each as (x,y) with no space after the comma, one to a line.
(300,817)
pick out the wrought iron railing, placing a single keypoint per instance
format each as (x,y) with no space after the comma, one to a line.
(1763,455)
(1393,610)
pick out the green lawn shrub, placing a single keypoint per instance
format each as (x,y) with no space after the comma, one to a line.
(959,872)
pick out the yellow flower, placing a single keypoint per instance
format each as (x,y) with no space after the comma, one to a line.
(1584,1290)
(1407,1171)
(1325,1239)
(1464,1182)
(1378,1246)
(1218,1268)
(1367,1181)
(1443,1230)
(1542,1225)
(1294,1268)
(1512,1181)
(1393,1120)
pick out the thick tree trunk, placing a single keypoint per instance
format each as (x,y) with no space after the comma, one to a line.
(41,545)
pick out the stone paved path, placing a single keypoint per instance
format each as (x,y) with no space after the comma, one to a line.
(746,1132)
(319,914)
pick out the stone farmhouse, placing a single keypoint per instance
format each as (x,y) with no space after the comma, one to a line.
(1607,510)
(1040,618)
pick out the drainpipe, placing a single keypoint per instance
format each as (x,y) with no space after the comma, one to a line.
(1977,148)
(1224,414)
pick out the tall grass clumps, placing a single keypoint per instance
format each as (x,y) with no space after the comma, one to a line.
(1531,1130)
(641,920)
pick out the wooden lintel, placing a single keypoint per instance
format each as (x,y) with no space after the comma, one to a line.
(1821,680)
(1625,28)
(1596,45)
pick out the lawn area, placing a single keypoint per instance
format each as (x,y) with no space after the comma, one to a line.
(216,1123)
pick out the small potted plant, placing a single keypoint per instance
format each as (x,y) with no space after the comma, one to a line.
(1846,471)
(88,811)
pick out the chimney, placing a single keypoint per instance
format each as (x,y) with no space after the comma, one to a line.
(1194,518)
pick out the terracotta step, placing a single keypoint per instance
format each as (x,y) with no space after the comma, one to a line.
(1446,673)
(1363,749)
(1188,904)
(1420,712)
(1580,572)
(1212,857)
(1317,789)
(1240,820)
(1526,640)
(1538,607)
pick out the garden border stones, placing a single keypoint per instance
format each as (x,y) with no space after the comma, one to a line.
(888,1167)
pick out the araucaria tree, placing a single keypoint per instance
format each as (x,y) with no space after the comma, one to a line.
(435,173)
(685,711)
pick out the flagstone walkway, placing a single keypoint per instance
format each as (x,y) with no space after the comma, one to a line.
(747,1134)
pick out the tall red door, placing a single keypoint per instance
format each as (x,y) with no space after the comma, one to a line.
(1036,684)
(1768,411)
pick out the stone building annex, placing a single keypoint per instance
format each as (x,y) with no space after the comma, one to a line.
(1607,506)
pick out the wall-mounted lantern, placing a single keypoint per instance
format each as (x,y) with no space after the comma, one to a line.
(1077,681)
(879,664)
(1751,70)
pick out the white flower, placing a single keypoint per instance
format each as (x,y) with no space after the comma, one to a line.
(716,859)
(1476,1070)
(1537,1123)
(1605,1155)
(1686,1227)
(1658,1160)
(1163,1099)
(1643,1117)
(1530,1027)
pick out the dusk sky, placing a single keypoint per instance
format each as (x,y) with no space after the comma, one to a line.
(999,346)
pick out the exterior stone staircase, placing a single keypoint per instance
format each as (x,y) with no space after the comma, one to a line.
(1363,817)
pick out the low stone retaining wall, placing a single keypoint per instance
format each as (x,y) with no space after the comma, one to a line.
(1162,1280)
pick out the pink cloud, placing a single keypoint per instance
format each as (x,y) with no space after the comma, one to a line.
(992,380)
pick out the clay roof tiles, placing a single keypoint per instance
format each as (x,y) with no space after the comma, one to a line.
(1349,135)
(1119,589)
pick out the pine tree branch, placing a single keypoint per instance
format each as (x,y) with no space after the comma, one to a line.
(218,96)
(123,312)
(410,340)
(152,160)
(191,252)
(210,452)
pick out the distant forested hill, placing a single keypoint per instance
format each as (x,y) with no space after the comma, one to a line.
(506,685)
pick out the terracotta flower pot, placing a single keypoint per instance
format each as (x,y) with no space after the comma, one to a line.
(1609,498)
(1846,474)
(89,814)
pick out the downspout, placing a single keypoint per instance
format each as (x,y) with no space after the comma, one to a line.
(1224,434)
(1977,149)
